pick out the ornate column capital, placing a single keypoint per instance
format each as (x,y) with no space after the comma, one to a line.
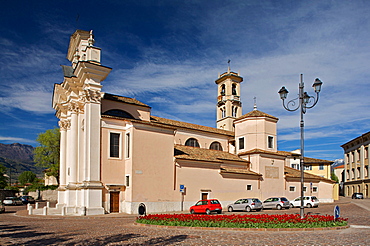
(74,107)
(89,95)
(64,124)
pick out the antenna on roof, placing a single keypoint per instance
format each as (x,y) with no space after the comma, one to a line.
(255,103)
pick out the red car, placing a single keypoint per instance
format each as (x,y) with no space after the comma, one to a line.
(206,206)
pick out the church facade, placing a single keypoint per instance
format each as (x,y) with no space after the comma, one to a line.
(117,157)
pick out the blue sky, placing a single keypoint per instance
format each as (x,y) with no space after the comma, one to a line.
(168,54)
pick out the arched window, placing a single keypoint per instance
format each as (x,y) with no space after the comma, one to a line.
(223,112)
(192,142)
(215,146)
(234,89)
(222,90)
(119,113)
(234,110)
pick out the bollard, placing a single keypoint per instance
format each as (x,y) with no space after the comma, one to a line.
(45,211)
(63,211)
(47,204)
(30,210)
(28,206)
(37,205)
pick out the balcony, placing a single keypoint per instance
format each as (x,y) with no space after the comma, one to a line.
(228,97)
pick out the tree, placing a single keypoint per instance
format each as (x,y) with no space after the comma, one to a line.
(27,177)
(3,179)
(47,154)
(334,177)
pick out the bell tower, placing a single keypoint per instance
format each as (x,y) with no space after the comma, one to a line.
(229,106)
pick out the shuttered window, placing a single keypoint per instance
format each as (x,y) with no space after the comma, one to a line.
(114,145)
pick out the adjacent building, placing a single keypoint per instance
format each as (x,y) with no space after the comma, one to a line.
(356,165)
(118,157)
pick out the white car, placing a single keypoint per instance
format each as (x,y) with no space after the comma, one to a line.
(245,204)
(12,201)
(308,201)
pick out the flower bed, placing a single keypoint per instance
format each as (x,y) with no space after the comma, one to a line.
(243,221)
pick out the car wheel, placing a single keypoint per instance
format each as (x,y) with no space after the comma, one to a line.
(291,205)
(278,207)
(219,212)
(230,209)
(208,211)
(248,209)
(258,209)
(192,211)
(309,205)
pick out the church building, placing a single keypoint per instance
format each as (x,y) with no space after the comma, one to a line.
(115,156)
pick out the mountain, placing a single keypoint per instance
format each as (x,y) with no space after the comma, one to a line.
(18,158)
(16,151)
(337,162)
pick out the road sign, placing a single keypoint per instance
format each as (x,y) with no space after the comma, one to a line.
(182,188)
(336,212)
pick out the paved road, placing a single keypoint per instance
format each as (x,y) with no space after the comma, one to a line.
(118,229)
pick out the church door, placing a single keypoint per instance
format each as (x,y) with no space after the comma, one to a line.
(114,202)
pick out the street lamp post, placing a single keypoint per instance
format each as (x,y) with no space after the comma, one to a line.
(305,103)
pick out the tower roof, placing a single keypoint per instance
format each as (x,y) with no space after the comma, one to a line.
(232,75)
(257,113)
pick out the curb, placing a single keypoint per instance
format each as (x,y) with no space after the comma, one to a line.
(244,229)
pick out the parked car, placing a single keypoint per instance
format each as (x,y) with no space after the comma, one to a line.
(308,201)
(206,206)
(245,204)
(2,207)
(357,196)
(27,199)
(276,202)
(12,201)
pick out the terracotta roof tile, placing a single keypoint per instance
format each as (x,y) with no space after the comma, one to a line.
(314,160)
(307,160)
(340,166)
(239,171)
(295,173)
(261,151)
(201,154)
(124,99)
(190,126)
(256,113)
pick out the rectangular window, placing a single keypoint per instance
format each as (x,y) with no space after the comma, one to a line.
(321,167)
(314,189)
(304,189)
(292,188)
(241,143)
(114,145)
(307,167)
(295,166)
(127,180)
(128,145)
(270,140)
(249,187)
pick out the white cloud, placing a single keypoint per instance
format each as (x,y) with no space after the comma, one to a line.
(16,140)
